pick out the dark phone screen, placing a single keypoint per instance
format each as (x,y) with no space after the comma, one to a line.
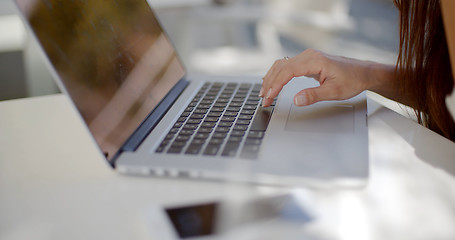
(193,221)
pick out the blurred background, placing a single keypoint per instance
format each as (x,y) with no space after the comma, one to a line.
(226,37)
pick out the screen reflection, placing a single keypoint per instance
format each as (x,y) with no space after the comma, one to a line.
(112,57)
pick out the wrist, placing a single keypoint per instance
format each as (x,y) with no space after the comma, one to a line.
(380,78)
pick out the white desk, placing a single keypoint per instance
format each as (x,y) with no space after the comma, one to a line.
(54,185)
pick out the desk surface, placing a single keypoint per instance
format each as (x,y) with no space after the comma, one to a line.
(55,185)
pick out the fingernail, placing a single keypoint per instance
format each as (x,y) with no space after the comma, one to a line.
(269,94)
(300,100)
(261,93)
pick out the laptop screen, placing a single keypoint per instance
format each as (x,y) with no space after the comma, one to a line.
(113,60)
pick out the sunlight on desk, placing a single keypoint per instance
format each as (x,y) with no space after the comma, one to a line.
(53,182)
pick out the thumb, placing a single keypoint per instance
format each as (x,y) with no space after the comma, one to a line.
(312,95)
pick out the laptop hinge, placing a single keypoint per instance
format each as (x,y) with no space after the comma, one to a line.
(150,122)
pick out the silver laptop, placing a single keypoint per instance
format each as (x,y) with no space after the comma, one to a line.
(148,117)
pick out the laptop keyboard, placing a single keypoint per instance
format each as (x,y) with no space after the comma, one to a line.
(223,119)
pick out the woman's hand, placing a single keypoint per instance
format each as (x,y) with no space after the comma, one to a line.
(339,77)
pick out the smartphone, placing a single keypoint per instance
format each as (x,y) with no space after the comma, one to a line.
(212,220)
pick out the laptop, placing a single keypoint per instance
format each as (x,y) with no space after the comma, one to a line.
(148,117)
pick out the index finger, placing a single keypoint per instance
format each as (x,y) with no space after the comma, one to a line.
(282,71)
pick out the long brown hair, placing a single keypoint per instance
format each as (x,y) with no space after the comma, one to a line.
(423,66)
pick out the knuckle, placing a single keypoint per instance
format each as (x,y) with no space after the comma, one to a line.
(310,51)
(278,62)
(277,86)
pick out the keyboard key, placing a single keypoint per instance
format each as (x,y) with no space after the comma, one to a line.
(186,132)
(197,116)
(245,117)
(165,142)
(211,119)
(238,99)
(211,150)
(256,99)
(223,100)
(240,127)
(245,86)
(230,149)
(249,102)
(217,84)
(174,130)
(236,104)
(222,130)
(199,141)
(225,124)
(249,152)
(204,106)
(216,141)
(257,87)
(201,135)
(182,138)
(219,135)
(214,114)
(207,102)
(160,149)
(220,105)
(247,112)
(200,111)
(194,121)
(251,141)
(209,98)
(227,119)
(174,150)
(190,126)
(243,122)
(217,109)
(249,107)
(193,149)
(233,109)
(230,114)
(208,125)
(235,139)
(205,130)
(178,144)
(262,119)
(185,114)
(256,135)
(237,133)
(169,136)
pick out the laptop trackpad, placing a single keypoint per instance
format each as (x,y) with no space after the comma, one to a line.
(323,117)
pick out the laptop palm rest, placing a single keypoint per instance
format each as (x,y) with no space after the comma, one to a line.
(320,118)
(326,141)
